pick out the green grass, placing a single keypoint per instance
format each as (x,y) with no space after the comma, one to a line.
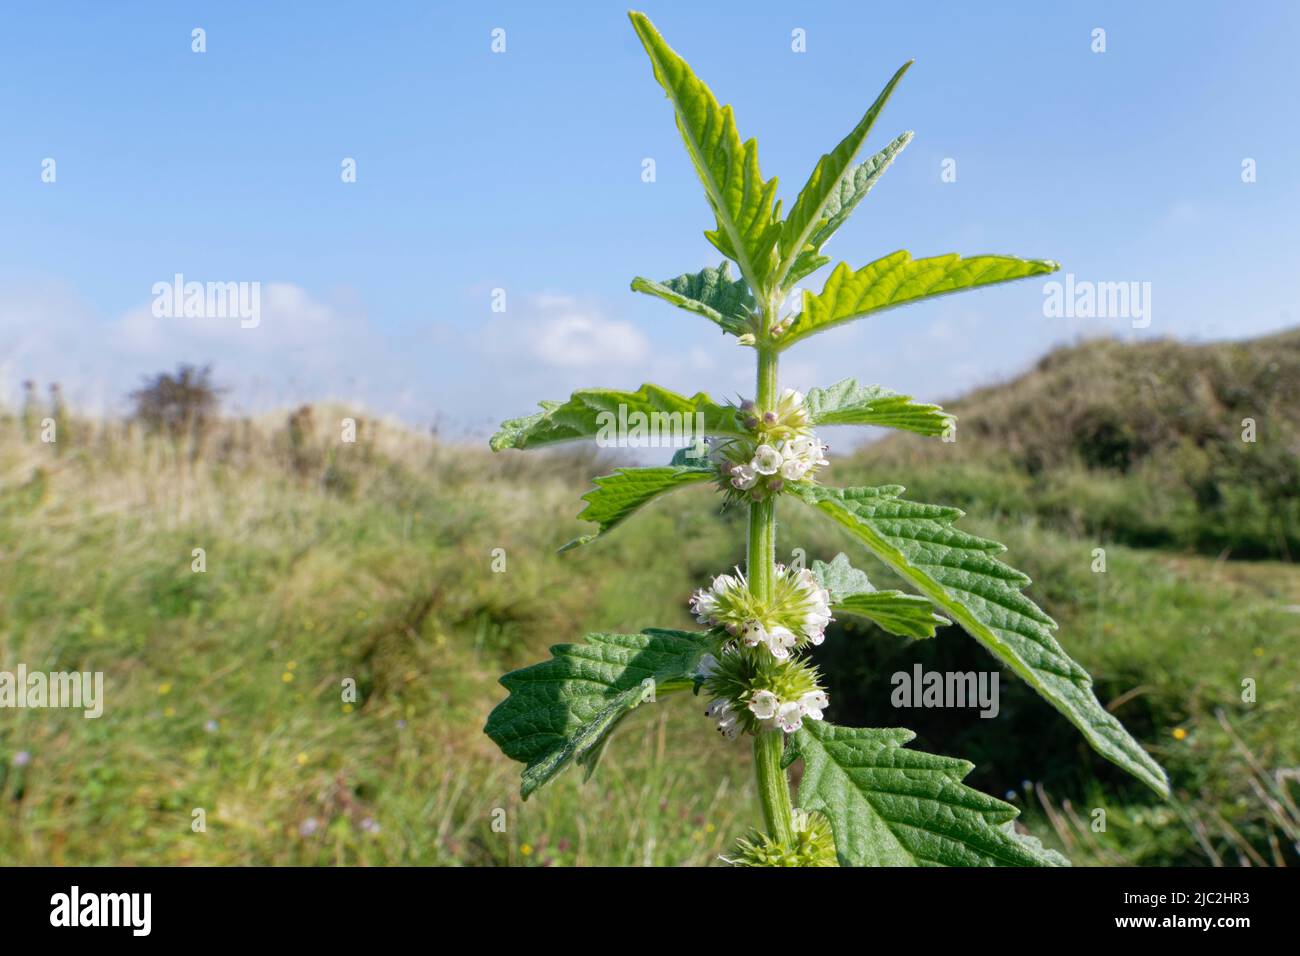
(374,562)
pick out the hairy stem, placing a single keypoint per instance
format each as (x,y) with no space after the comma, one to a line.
(762,547)
(773,787)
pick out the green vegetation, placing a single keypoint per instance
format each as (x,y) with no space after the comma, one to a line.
(373,561)
(1140,444)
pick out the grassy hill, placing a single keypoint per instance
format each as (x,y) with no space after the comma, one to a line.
(1137,443)
(373,562)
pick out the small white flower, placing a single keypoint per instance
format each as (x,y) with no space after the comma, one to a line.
(766,460)
(753,634)
(743,477)
(729,725)
(703,604)
(764,704)
(789,717)
(728,721)
(793,469)
(813,703)
(816,617)
(707,667)
(780,640)
(796,448)
(793,398)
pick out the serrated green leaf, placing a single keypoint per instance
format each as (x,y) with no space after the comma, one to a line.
(809,213)
(907,615)
(841,578)
(617,496)
(587,414)
(742,201)
(564,709)
(854,188)
(712,293)
(848,403)
(890,806)
(692,456)
(805,263)
(959,573)
(898,279)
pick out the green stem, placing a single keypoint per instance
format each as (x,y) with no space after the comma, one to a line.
(773,787)
(762,548)
(762,514)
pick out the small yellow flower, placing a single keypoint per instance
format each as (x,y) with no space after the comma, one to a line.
(1259,652)
(526,849)
(292,665)
(709,828)
(164,689)
(169,712)
(347,708)
(1180,733)
(302,759)
(287,677)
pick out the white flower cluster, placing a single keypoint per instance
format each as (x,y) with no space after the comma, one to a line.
(709,607)
(783,449)
(770,711)
(726,716)
(750,696)
(799,611)
(788,459)
(787,714)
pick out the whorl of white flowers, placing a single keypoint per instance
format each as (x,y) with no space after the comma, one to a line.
(783,449)
(797,614)
(751,694)
(772,711)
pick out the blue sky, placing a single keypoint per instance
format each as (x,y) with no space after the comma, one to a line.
(522,171)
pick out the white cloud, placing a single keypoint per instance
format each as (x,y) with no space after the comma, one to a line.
(572,335)
(302,349)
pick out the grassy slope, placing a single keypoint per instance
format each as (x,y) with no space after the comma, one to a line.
(373,561)
(387,581)
(1140,444)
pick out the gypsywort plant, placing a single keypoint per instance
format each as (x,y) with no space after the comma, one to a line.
(864,797)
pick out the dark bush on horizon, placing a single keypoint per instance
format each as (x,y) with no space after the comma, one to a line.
(185,403)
